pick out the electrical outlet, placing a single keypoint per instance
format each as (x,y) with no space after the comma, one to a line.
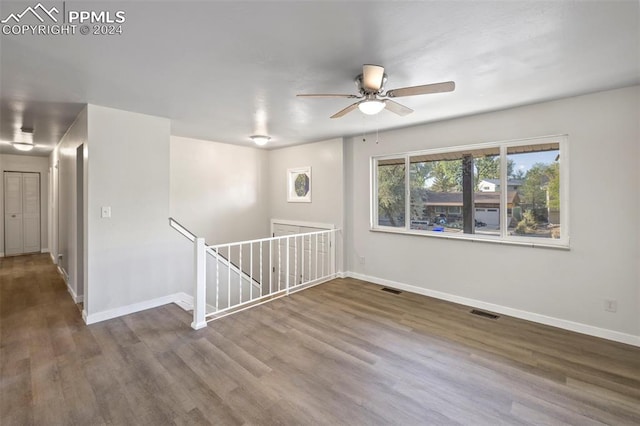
(611,305)
(361,259)
(105,212)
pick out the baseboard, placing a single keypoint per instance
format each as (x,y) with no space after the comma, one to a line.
(53,258)
(181,299)
(590,330)
(72,292)
(74,295)
(185,302)
(44,250)
(64,274)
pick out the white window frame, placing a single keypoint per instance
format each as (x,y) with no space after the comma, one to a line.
(504,237)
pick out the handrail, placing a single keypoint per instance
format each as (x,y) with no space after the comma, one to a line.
(181,229)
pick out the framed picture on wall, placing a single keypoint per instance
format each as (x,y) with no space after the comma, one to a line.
(299,185)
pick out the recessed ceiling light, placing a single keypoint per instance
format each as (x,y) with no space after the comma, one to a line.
(260,140)
(22,146)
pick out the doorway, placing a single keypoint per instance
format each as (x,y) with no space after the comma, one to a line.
(21,213)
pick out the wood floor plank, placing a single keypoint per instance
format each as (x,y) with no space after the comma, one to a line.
(341,353)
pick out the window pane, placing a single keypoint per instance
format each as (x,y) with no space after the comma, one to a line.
(488,193)
(418,175)
(391,190)
(437,193)
(535,170)
(436,197)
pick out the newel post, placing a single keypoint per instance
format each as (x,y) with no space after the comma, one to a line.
(199,293)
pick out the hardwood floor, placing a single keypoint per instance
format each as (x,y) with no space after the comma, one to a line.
(344,352)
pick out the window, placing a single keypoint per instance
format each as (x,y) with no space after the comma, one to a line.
(390,192)
(457,192)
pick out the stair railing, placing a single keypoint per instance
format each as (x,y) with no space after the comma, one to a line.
(232,277)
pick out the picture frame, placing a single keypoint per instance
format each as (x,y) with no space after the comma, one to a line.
(299,185)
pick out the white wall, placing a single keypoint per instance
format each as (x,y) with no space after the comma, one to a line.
(134,257)
(563,287)
(27,163)
(327,200)
(64,213)
(219,191)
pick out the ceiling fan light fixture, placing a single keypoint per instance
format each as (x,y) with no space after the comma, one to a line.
(371,107)
(22,146)
(260,140)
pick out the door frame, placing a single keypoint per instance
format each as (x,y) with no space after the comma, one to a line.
(4,207)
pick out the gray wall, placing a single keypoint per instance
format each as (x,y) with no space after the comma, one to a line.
(134,256)
(325,159)
(542,284)
(219,191)
(327,182)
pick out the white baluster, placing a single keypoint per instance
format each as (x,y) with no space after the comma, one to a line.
(199,293)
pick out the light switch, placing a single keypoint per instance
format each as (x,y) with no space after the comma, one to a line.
(105,212)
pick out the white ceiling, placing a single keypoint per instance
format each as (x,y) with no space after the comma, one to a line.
(225,70)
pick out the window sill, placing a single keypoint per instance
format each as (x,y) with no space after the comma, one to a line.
(516,241)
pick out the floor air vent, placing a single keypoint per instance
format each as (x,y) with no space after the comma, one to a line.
(391,290)
(484,314)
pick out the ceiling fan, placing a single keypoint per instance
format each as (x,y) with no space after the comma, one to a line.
(374,99)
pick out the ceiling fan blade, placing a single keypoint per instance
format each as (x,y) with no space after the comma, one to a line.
(397,108)
(447,86)
(372,77)
(345,111)
(326,95)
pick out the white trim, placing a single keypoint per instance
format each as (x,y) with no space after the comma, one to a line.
(74,295)
(474,146)
(185,302)
(318,225)
(44,250)
(2,254)
(590,330)
(563,242)
(199,325)
(481,238)
(181,299)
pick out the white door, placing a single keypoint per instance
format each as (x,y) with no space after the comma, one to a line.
(312,260)
(315,255)
(21,213)
(13,228)
(280,256)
